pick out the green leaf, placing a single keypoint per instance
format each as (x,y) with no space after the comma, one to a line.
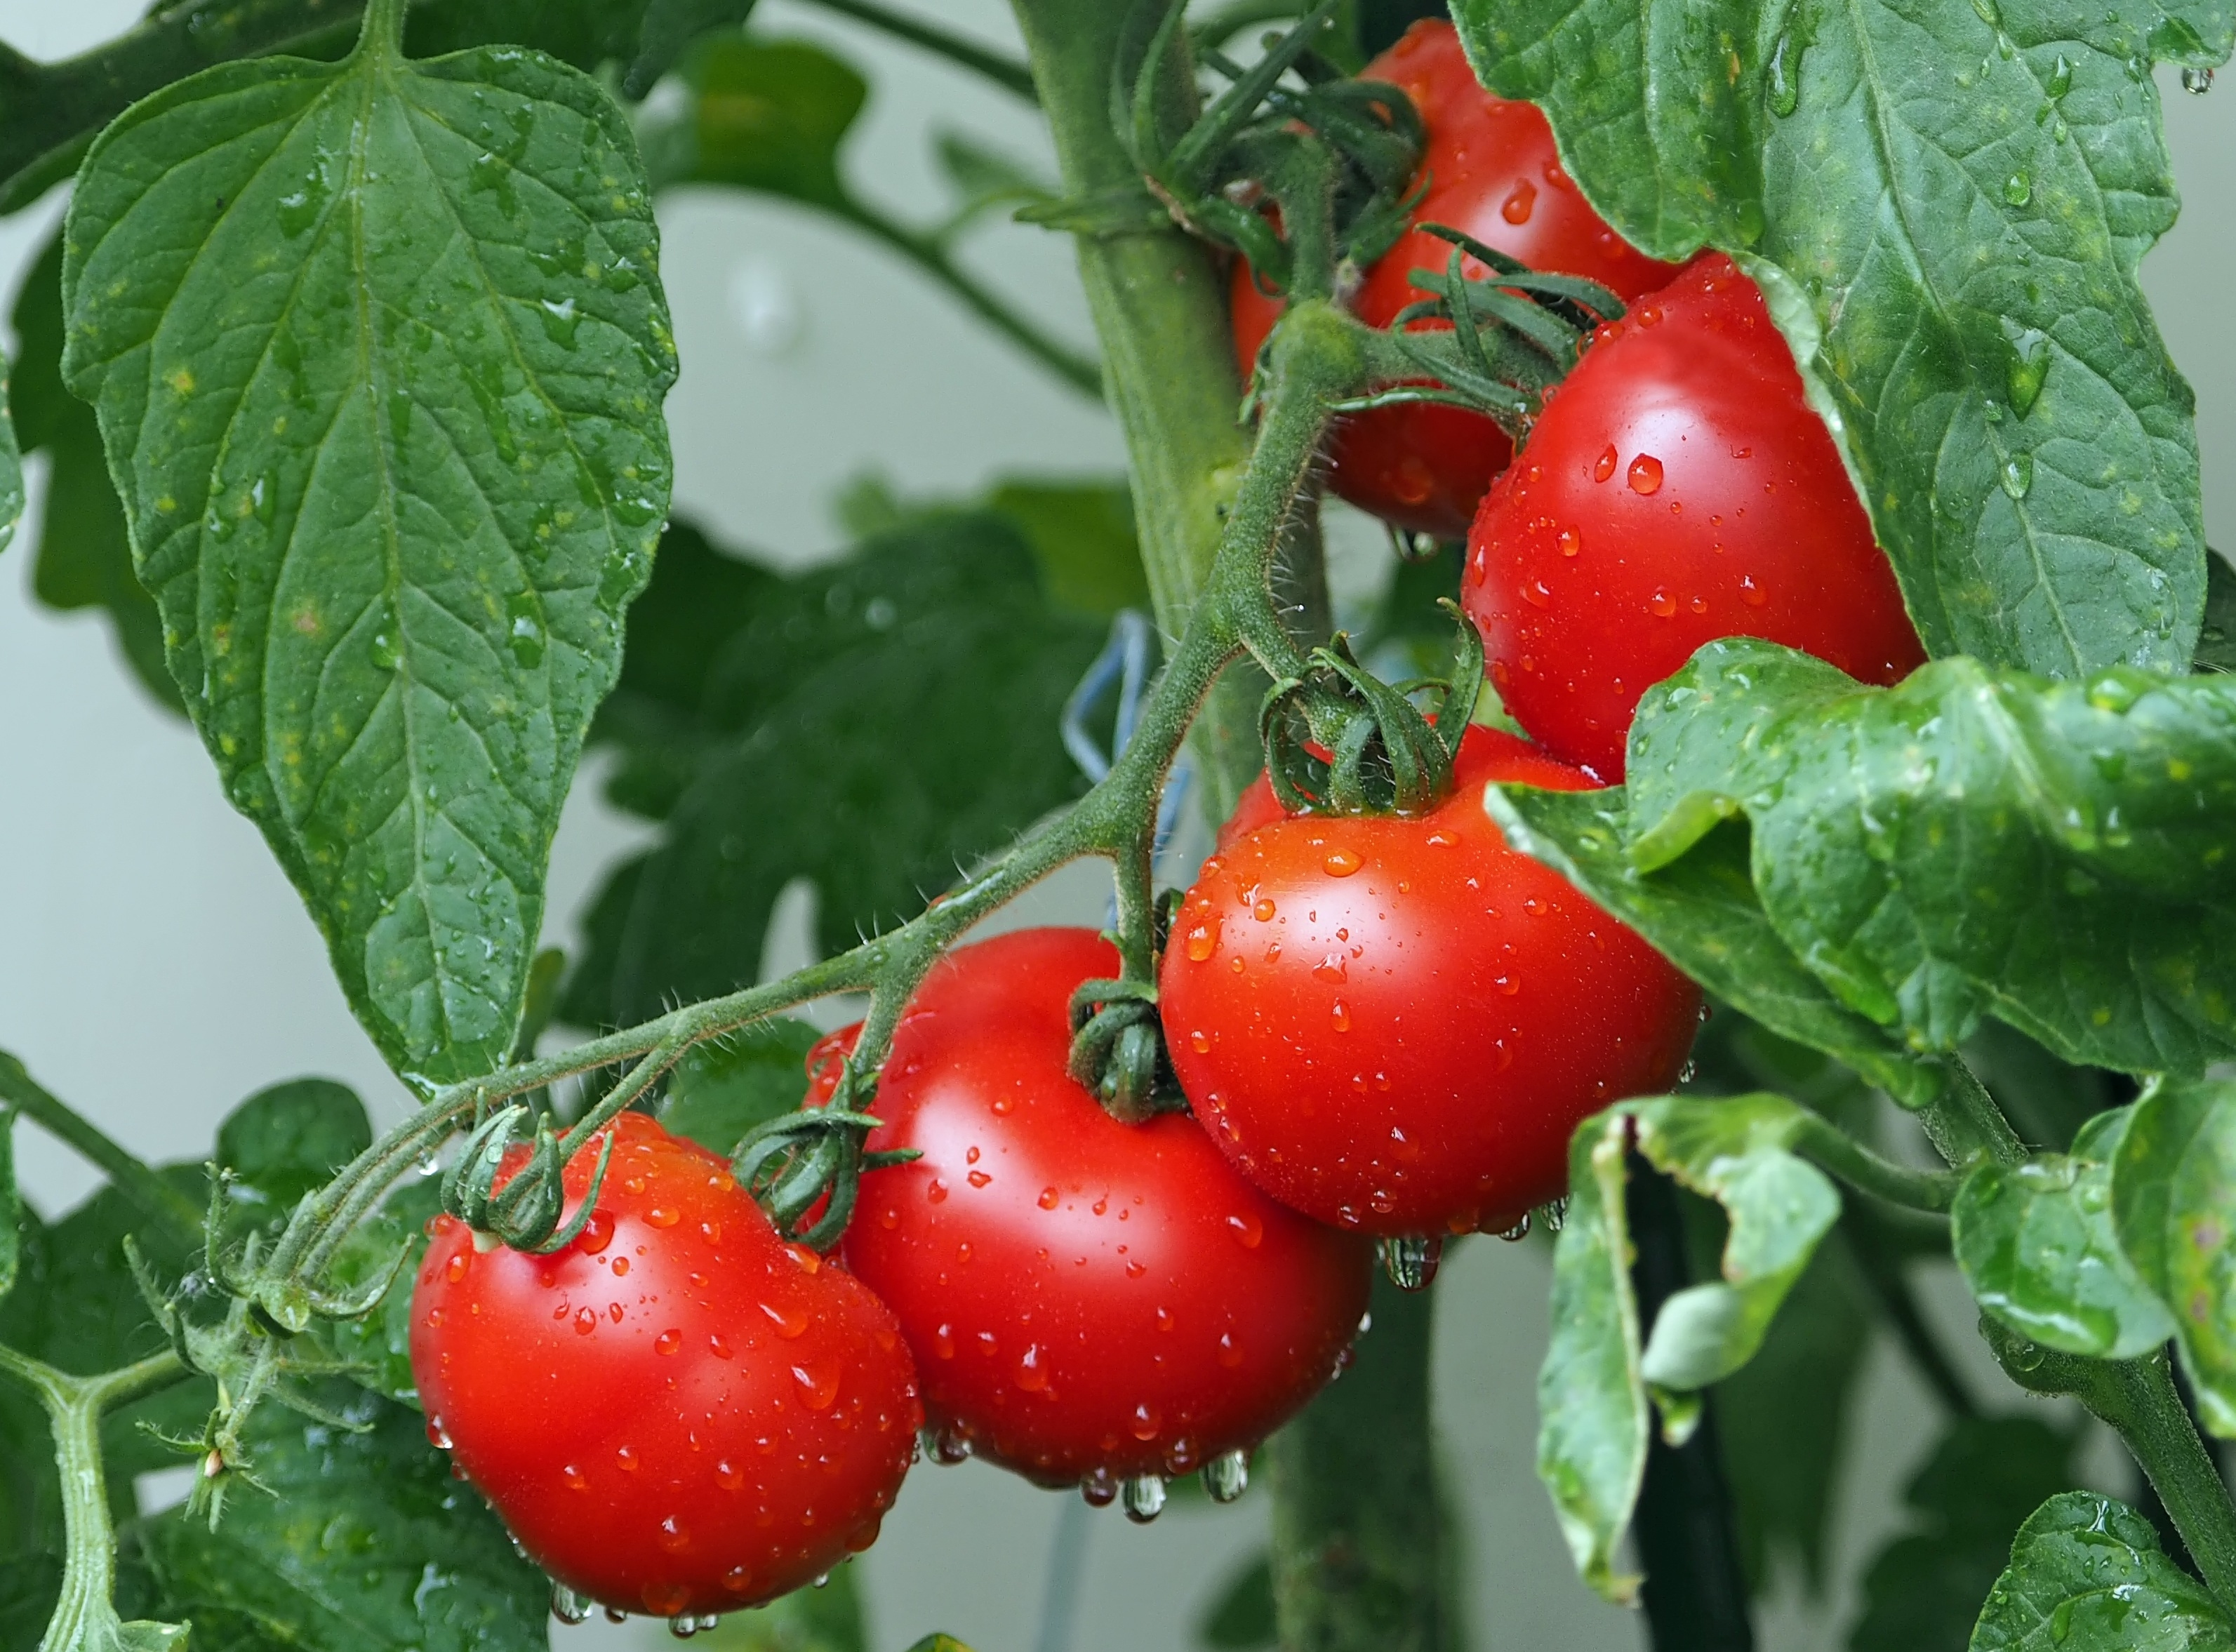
(1971,842)
(1923,1590)
(1592,1389)
(365,1544)
(1241,1618)
(671,25)
(2173,1202)
(2216,638)
(937,1642)
(1704,914)
(2037,1244)
(765,115)
(2088,1571)
(289,1138)
(871,725)
(1946,203)
(85,552)
(721,1089)
(378,350)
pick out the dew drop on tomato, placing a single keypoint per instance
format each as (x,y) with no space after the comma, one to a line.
(728,1475)
(1248,1229)
(666,1600)
(1664,605)
(1032,1376)
(1605,467)
(667,1342)
(586,1320)
(1645,474)
(738,1580)
(1048,1198)
(1201,941)
(719,1348)
(435,1436)
(574,1479)
(943,1342)
(625,1458)
(672,1537)
(596,1234)
(661,1216)
(1517,205)
(817,1385)
(456,1269)
(1341,863)
(1147,1422)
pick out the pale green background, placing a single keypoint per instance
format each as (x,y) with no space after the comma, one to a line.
(155,966)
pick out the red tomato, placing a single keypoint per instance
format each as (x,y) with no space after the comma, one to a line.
(1678,490)
(1086,1299)
(1394,1024)
(1494,172)
(677,1413)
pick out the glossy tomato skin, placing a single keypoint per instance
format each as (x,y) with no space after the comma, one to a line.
(1492,171)
(1394,1025)
(1085,1298)
(677,1413)
(1677,490)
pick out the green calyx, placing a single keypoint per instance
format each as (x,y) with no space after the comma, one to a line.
(1118,1050)
(806,1169)
(524,1213)
(1340,741)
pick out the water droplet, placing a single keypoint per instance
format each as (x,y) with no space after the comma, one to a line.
(596,1234)
(1227,1476)
(524,629)
(1099,1489)
(1338,863)
(437,1435)
(2197,82)
(667,1342)
(1645,474)
(818,1385)
(1604,467)
(1519,1230)
(1202,939)
(574,1478)
(1517,205)
(385,653)
(1332,969)
(586,1320)
(948,1446)
(561,321)
(1663,604)
(728,1475)
(2061,77)
(1262,908)
(2017,475)
(625,1458)
(1048,1198)
(672,1537)
(1410,1259)
(1032,1375)
(1146,1421)
(660,1217)
(1785,75)
(2018,188)
(1570,542)
(1144,1498)
(1340,1016)
(1537,594)
(1752,594)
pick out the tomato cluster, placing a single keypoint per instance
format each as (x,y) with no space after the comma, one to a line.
(1383,1025)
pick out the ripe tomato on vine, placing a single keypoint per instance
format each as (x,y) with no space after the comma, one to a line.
(1392,1024)
(677,1412)
(1087,1300)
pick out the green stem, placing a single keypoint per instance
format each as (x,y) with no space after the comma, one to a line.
(1159,304)
(84,1615)
(1966,1127)
(381,33)
(926,252)
(157,1199)
(1832,1149)
(1004,71)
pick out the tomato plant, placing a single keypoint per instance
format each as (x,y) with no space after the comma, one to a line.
(1394,1024)
(1490,168)
(676,1411)
(1856,530)
(1089,1300)
(1677,490)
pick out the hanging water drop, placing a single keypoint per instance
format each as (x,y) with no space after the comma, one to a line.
(1517,1233)
(2197,81)
(568,1607)
(947,1444)
(1555,1213)
(1143,1495)
(1100,1489)
(1227,1476)
(1410,1259)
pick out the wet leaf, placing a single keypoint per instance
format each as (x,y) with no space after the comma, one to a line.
(1923,1590)
(1592,1390)
(366,1544)
(2173,1202)
(720,1090)
(1704,914)
(2088,1572)
(289,1138)
(873,726)
(1969,843)
(378,349)
(1947,203)
(2037,1244)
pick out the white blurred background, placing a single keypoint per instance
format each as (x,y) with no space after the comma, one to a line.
(155,966)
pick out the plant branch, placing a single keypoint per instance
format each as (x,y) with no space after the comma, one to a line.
(1003,69)
(157,1199)
(85,1615)
(1832,1149)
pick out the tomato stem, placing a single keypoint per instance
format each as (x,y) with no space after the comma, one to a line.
(85,1614)
(157,1199)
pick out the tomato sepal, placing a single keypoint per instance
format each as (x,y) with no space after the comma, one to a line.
(804,1168)
(522,1212)
(1118,1050)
